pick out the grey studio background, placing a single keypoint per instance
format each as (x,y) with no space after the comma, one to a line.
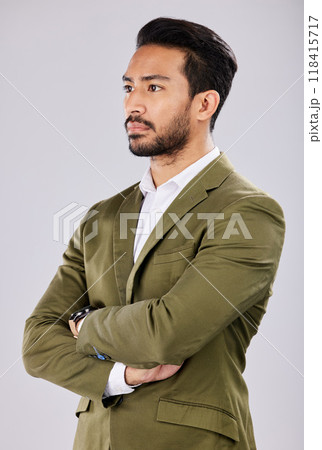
(67,59)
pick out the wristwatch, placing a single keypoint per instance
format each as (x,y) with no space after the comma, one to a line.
(77,316)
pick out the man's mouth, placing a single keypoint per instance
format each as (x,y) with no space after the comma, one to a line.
(136,127)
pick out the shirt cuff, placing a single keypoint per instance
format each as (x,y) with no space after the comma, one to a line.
(116,384)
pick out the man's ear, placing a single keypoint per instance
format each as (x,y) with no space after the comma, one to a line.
(207,103)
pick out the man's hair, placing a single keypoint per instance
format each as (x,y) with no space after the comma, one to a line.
(209,62)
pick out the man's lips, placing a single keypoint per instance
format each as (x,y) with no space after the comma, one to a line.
(136,127)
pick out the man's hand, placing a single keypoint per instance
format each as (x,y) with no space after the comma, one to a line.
(77,318)
(74,327)
(138,376)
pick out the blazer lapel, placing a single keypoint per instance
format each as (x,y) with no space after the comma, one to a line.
(126,219)
(192,194)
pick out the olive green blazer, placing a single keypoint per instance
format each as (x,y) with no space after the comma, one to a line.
(196,293)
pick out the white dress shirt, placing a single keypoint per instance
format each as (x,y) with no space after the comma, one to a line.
(154,204)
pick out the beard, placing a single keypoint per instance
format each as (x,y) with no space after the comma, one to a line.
(170,142)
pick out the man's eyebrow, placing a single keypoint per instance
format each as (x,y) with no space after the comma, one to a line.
(146,78)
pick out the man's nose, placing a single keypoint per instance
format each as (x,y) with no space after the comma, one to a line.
(134,104)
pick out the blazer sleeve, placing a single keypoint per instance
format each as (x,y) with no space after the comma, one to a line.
(49,348)
(225,278)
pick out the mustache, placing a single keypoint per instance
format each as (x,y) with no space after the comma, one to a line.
(139,119)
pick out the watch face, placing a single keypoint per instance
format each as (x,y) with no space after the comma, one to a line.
(77,315)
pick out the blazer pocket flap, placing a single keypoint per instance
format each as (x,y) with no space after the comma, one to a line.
(83,405)
(174,255)
(199,416)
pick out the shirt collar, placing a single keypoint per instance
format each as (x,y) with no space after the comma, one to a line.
(182,178)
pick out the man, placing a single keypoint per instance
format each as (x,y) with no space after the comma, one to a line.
(168,294)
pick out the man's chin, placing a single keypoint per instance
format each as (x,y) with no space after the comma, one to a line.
(137,147)
(139,151)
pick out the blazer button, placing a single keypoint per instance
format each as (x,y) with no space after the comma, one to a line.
(120,400)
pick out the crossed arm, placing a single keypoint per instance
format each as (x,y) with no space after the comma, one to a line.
(133,376)
(223,281)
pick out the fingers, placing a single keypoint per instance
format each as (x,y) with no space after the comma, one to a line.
(72,327)
(138,376)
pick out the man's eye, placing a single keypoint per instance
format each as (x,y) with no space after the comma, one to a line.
(154,88)
(127,88)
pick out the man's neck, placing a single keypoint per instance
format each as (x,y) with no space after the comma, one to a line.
(164,167)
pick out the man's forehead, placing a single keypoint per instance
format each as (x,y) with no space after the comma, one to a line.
(155,61)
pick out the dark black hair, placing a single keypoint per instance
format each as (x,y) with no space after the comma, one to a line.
(209,62)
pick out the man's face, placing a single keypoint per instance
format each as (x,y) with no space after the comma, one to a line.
(157,103)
